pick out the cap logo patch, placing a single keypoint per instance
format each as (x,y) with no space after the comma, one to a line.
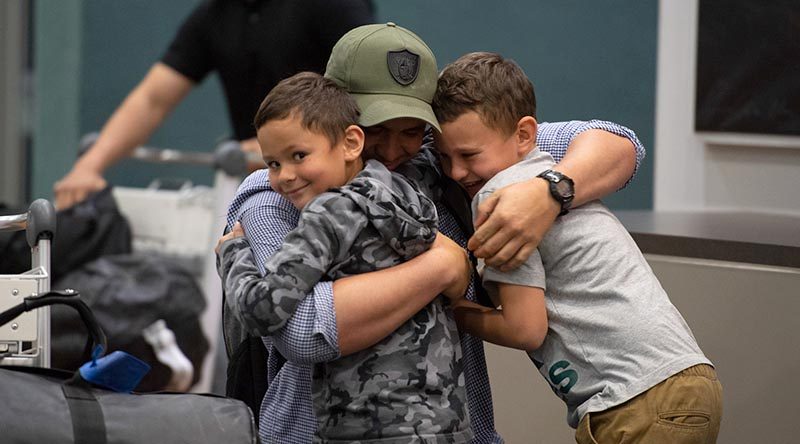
(403,65)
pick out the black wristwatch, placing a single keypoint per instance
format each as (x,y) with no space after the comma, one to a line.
(562,188)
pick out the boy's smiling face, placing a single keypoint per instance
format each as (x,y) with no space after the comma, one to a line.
(472,153)
(303,163)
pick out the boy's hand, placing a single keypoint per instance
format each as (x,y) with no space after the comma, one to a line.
(237,231)
(511,223)
(461,266)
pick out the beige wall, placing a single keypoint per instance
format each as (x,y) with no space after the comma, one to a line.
(745,317)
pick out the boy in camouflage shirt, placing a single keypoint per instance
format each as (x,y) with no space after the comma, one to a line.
(355,218)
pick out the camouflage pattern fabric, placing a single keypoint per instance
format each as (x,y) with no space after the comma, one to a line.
(410,386)
(423,170)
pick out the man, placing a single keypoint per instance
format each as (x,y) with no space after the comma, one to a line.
(392,75)
(251,44)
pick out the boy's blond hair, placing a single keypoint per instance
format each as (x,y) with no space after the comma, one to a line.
(494,87)
(323,105)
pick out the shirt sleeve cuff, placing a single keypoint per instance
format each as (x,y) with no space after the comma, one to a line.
(325,320)
(621,131)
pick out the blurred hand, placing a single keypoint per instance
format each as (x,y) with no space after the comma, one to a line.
(454,254)
(511,223)
(237,231)
(76,186)
(252,150)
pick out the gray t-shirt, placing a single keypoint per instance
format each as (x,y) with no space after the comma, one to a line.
(409,387)
(612,331)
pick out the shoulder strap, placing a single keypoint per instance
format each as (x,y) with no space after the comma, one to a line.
(88,423)
(247,373)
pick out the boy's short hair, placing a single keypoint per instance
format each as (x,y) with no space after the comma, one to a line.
(494,87)
(323,105)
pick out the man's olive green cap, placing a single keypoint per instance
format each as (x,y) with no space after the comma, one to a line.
(389,71)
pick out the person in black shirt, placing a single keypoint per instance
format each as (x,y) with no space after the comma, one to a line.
(251,44)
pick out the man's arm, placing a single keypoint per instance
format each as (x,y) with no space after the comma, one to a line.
(600,157)
(371,306)
(365,308)
(139,115)
(358,311)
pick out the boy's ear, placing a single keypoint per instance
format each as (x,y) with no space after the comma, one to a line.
(353,142)
(526,134)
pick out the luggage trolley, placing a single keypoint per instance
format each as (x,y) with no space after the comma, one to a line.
(185,224)
(26,340)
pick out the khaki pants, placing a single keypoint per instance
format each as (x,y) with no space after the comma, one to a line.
(686,408)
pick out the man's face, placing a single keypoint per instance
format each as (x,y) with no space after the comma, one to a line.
(472,153)
(394,141)
(302,163)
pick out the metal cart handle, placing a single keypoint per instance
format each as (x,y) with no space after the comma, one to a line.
(227,156)
(39,222)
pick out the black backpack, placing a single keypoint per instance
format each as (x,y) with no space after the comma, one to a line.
(247,363)
(91,229)
(128,293)
(246,378)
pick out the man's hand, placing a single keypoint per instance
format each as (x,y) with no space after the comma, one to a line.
(237,231)
(76,186)
(511,223)
(461,268)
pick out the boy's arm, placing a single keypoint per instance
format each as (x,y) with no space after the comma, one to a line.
(520,323)
(599,156)
(266,219)
(265,303)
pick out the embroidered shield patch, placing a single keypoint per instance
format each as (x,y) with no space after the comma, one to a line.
(403,65)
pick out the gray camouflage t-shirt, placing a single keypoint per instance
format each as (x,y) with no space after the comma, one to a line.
(410,386)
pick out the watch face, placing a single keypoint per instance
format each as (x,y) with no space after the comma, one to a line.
(564,189)
(561,188)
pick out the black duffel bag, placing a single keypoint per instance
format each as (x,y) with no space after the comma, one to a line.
(54,407)
(127,293)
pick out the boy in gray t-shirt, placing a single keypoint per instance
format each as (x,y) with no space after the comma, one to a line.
(586,306)
(355,218)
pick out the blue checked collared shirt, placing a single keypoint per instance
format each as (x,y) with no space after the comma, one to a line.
(310,336)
